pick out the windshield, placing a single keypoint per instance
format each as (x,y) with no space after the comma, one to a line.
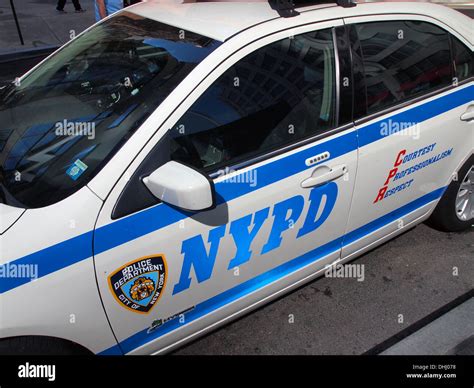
(61,124)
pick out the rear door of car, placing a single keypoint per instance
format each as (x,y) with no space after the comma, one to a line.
(416,83)
(270,126)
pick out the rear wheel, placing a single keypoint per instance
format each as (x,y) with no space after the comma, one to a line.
(455,210)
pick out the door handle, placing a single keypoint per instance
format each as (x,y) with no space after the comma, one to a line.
(468,115)
(324,174)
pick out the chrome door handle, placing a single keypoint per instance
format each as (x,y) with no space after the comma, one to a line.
(319,177)
(468,115)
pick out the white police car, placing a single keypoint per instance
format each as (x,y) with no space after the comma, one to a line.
(178,165)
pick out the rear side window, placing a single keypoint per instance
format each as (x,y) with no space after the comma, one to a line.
(402,60)
(278,94)
(463,59)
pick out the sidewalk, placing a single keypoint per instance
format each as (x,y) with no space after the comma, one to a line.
(41,24)
(450,334)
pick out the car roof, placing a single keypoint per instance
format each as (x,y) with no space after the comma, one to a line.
(221,20)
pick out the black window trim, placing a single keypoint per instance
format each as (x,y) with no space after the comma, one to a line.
(346,68)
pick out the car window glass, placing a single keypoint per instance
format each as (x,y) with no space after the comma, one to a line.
(403,59)
(276,95)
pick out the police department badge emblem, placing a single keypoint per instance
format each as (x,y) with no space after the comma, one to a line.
(139,284)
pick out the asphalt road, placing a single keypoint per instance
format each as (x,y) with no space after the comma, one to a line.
(411,275)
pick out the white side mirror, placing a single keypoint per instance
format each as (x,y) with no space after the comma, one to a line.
(182,186)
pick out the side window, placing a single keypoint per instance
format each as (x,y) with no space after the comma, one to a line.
(463,59)
(403,59)
(276,95)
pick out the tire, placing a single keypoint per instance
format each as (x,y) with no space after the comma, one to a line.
(445,216)
(39,346)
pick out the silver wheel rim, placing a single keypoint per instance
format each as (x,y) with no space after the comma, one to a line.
(465,197)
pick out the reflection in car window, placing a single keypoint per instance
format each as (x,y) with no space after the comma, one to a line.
(72,113)
(278,94)
(403,59)
(463,59)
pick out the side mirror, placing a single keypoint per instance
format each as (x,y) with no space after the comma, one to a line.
(182,186)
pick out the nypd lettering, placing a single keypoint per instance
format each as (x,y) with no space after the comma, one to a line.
(285,214)
(139,285)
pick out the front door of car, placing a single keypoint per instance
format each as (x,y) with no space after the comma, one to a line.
(411,135)
(265,128)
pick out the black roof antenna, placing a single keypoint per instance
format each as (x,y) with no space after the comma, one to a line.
(286,8)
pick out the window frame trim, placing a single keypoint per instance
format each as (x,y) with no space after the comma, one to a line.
(453,57)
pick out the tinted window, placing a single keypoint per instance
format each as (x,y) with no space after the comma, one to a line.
(463,59)
(276,95)
(403,59)
(72,113)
